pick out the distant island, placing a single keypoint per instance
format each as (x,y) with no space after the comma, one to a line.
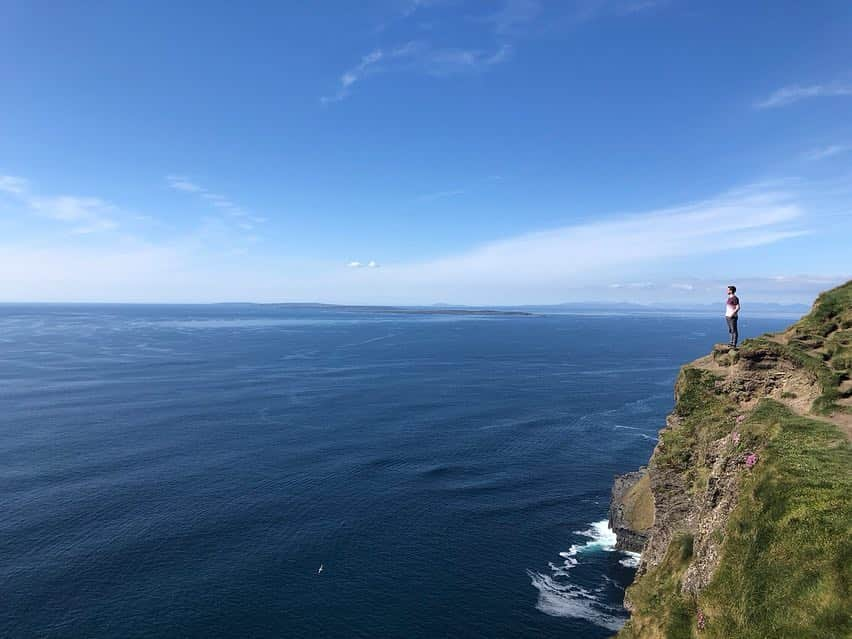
(527,310)
(403,310)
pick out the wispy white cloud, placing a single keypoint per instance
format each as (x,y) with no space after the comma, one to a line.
(584,11)
(519,18)
(84,214)
(349,78)
(13,185)
(633,285)
(804,279)
(513,16)
(504,22)
(462,190)
(417,57)
(631,7)
(450,61)
(406,10)
(413,6)
(795,93)
(547,259)
(780,289)
(182,184)
(538,267)
(221,202)
(826,152)
(88,214)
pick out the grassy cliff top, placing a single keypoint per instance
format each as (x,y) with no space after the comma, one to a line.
(784,551)
(822,342)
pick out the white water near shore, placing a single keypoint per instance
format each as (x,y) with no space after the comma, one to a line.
(560,596)
(631,560)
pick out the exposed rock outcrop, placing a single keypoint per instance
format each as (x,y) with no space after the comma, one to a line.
(631,510)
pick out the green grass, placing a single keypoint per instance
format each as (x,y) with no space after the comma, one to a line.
(661,610)
(787,557)
(703,415)
(828,327)
(831,310)
(787,552)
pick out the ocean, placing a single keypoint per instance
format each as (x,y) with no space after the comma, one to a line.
(185,471)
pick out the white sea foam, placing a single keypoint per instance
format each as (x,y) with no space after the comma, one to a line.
(601,535)
(560,597)
(631,560)
(611,582)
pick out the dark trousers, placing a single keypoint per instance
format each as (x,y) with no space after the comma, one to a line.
(732,329)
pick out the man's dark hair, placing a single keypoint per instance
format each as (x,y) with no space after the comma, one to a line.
(733,288)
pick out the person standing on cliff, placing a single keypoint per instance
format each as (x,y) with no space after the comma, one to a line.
(732,312)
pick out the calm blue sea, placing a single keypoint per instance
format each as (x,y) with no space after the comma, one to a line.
(184,471)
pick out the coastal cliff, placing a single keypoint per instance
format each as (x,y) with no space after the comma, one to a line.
(743,512)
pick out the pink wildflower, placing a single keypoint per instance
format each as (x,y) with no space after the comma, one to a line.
(740,419)
(751,460)
(735,438)
(701,620)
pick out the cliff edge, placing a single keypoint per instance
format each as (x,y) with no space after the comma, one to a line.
(743,513)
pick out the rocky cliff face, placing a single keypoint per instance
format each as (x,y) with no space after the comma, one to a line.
(698,498)
(733,409)
(631,510)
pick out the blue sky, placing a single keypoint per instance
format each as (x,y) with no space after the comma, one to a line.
(404,151)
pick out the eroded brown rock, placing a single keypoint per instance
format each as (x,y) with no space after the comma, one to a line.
(631,510)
